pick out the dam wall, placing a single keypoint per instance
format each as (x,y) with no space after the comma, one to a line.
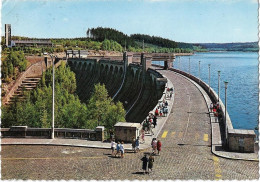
(136,86)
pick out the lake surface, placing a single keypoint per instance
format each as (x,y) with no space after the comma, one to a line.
(240,69)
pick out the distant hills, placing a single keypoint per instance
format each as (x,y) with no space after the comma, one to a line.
(246,46)
(134,42)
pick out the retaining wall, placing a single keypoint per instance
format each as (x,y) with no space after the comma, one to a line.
(25,132)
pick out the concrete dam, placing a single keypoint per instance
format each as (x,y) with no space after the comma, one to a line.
(134,84)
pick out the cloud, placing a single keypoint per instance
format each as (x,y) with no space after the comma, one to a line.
(254,1)
(65,19)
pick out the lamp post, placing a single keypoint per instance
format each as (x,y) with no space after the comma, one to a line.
(226,84)
(53,87)
(218,85)
(199,71)
(189,65)
(179,63)
(209,77)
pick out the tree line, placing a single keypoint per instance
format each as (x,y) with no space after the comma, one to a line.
(133,41)
(162,42)
(100,34)
(70,112)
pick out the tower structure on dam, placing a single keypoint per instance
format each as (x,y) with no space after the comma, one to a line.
(8,35)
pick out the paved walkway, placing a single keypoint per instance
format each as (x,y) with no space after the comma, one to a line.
(216,143)
(196,102)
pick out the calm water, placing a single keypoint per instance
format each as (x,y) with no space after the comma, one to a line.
(240,69)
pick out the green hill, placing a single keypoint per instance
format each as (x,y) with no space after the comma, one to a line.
(247,46)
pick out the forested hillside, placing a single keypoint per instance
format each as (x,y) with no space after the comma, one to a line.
(100,34)
(134,42)
(247,46)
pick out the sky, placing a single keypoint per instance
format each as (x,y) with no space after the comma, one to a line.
(190,21)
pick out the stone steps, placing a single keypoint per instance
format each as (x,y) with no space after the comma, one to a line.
(29,83)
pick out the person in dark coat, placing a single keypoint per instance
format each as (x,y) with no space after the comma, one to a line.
(145,162)
(154,121)
(150,163)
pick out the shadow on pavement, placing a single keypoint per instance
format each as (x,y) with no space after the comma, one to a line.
(106,154)
(218,148)
(142,173)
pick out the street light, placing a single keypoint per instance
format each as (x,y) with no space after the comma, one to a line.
(53,87)
(209,77)
(218,85)
(179,62)
(226,84)
(199,71)
(189,65)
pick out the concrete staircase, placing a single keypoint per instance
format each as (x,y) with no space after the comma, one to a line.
(29,83)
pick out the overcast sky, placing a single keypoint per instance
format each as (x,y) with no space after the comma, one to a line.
(191,21)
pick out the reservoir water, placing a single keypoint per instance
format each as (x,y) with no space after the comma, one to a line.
(240,69)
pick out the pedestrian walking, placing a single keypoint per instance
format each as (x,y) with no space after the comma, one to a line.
(161,111)
(154,145)
(113,147)
(166,103)
(117,149)
(149,127)
(165,111)
(161,104)
(134,145)
(145,162)
(156,112)
(122,149)
(154,121)
(145,126)
(159,146)
(150,163)
(171,92)
(211,107)
(137,144)
(142,136)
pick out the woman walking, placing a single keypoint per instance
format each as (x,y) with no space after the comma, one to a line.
(113,146)
(154,146)
(159,146)
(122,149)
(117,149)
(137,143)
(150,163)
(142,135)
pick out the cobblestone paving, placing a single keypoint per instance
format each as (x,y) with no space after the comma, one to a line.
(186,152)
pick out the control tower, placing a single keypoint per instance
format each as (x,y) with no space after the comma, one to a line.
(8,35)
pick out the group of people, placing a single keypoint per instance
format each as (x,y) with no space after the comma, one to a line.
(169,92)
(118,149)
(148,162)
(162,109)
(147,124)
(156,146)
(214,107)
(135,144)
